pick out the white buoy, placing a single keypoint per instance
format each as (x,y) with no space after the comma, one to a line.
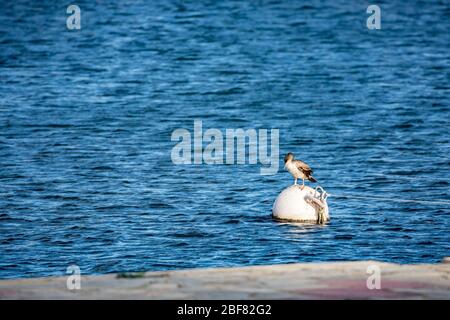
(307,205)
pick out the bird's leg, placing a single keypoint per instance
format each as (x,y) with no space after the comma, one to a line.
(295,181)
(303,184)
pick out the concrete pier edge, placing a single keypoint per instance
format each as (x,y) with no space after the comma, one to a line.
(325,280)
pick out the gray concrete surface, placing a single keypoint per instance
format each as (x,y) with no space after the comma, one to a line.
(340,280)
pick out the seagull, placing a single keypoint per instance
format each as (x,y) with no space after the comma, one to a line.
(298,169)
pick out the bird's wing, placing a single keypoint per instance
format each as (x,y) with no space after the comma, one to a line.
(302,166)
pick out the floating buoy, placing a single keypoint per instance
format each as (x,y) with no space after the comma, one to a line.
(301,205)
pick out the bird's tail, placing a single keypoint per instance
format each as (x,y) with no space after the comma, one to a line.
(311,178)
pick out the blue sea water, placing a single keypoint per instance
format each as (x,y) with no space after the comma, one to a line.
(86,118)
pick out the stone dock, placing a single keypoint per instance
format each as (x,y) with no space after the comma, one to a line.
(336,280)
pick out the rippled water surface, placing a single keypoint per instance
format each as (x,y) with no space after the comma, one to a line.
(86,119)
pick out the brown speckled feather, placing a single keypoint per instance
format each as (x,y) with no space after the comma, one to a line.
(307,171)
(303,167)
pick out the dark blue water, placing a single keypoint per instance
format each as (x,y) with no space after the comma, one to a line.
(86,119)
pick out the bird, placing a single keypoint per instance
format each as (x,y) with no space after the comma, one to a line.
(298,169)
